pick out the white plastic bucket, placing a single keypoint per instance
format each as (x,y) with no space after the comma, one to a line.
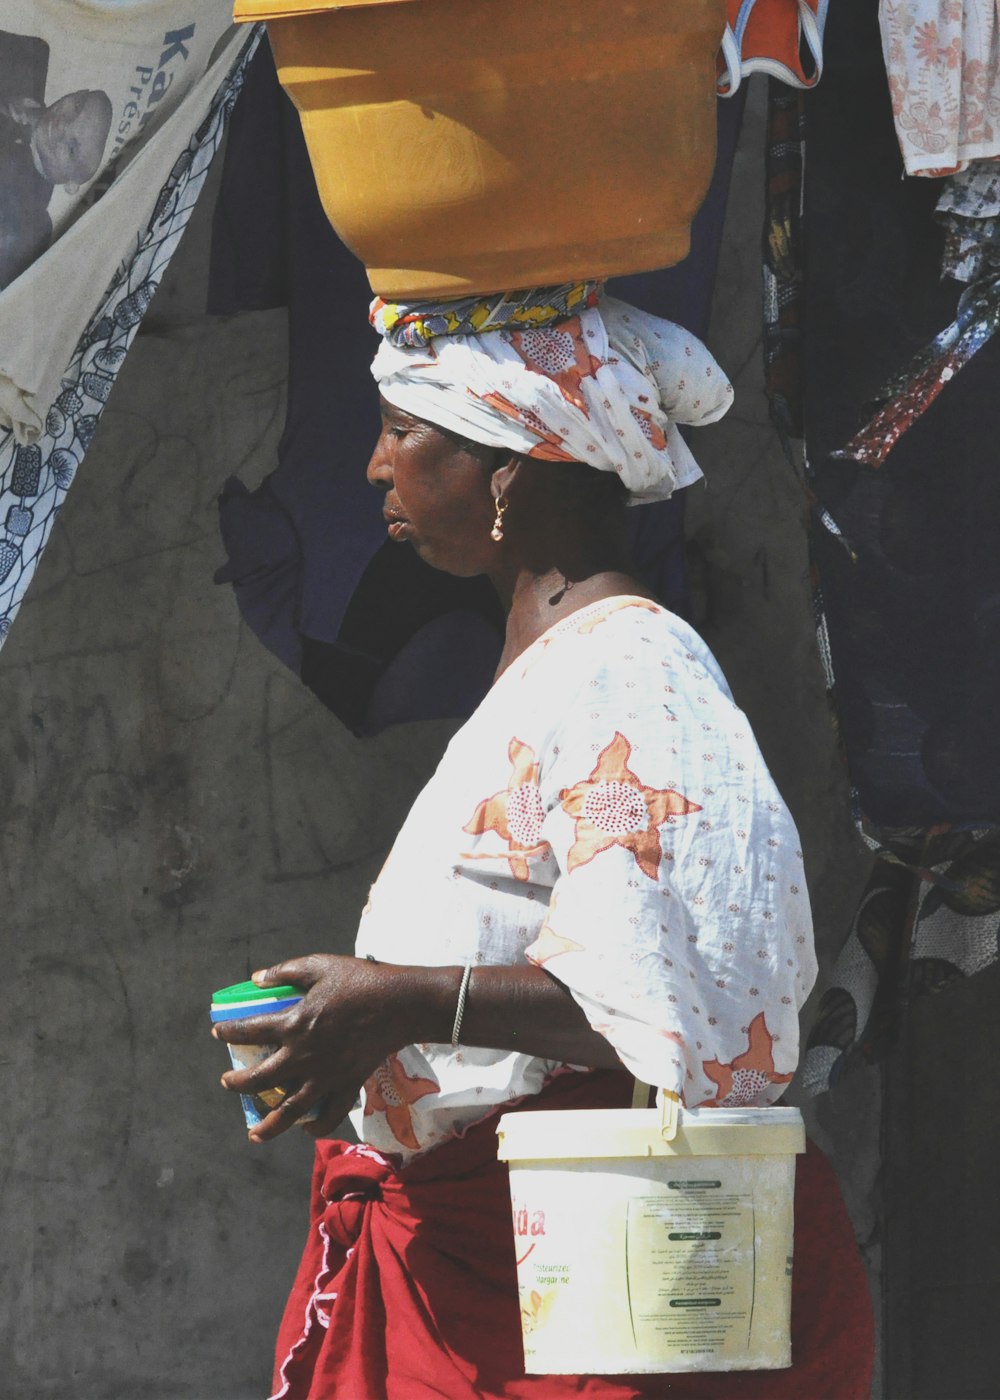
(653,1240)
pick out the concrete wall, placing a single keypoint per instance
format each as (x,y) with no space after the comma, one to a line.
(177,810)
(747,529)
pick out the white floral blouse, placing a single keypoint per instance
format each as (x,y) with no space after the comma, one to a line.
(606,814)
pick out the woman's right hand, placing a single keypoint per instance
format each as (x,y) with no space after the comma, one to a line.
(353,1015)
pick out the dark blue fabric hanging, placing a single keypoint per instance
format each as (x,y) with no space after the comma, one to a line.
(912,600)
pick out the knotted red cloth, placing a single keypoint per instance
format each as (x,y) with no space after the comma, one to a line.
(407,1288)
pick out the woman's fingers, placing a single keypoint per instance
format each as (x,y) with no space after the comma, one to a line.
(257,1030)
(267,1075)
(280,1119)
(301,972)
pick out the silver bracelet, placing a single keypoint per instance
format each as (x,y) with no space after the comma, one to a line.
(463,993)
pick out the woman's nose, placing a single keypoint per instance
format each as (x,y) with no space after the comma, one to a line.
(379,467)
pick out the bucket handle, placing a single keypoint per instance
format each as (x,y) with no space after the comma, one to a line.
(670,1106)
(670,1112)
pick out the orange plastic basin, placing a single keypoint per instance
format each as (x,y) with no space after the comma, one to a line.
(474,145)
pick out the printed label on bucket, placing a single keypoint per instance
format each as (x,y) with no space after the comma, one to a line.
(636,1266)
(690,1269)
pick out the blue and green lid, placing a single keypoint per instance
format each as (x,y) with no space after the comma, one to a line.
(242,992)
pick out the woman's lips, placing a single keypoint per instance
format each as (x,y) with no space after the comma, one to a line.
(398,527)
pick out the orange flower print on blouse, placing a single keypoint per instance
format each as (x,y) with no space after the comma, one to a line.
(560,353)
(649,429)
(515,813)
(550,944)
(613,808)
(390,1090)
(744,1079)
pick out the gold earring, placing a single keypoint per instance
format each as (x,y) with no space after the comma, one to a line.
(497,532)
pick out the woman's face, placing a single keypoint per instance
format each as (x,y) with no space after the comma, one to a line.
(437,493)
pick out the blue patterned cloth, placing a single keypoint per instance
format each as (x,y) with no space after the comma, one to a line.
(969,211)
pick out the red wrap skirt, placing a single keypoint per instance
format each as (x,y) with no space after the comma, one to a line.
(407,1287)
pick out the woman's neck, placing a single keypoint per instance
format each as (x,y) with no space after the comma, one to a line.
(538,601)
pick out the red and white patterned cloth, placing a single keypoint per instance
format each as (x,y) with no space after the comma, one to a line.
(943,62)
(605,814)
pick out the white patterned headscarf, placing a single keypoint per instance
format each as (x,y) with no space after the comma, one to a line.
(607,386)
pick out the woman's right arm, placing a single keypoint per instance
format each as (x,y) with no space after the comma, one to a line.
(356,1013)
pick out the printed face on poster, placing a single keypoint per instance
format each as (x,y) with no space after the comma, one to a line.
(77,104)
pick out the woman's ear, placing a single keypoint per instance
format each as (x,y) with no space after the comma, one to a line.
(505,475)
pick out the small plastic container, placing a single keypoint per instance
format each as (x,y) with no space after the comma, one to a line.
(238,1003)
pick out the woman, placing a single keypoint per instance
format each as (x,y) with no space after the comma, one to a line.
(600,874)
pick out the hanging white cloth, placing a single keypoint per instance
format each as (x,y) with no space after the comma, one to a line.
(68,320)
(98,98)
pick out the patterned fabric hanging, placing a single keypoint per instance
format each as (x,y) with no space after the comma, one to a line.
(929,915)
(35,476)
(97,100)
(969,212)
(943,62)
(782,38)
(969,209)
(909,394)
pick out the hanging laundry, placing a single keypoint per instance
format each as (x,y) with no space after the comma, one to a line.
(909,620)
(97,100)
(969,212)
(108,236)
(907,395)
(929,916)
(371,628)
(782,38)
(943,65)
(912,615)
